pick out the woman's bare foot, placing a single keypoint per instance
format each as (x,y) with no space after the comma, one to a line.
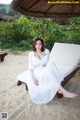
(66,93)
(69,94)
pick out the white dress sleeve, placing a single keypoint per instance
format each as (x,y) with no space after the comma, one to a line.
(47,52)
(30,61)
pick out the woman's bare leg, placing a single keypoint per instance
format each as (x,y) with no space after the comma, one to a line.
(66,93)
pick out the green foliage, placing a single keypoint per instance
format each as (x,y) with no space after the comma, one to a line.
(18,35)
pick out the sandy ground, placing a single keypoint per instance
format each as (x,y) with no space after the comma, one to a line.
(16,101)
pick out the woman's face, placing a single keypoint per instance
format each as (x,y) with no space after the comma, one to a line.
(38,45)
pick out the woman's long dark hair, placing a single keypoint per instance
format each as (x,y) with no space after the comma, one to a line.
(34,43)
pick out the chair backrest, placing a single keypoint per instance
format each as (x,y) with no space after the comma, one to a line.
(65,54)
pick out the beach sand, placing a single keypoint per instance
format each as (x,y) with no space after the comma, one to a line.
(16,101)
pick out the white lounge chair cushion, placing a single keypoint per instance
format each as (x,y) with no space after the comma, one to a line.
(66,57)
(65,69)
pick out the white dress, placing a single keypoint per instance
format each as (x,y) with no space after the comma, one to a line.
(46,73)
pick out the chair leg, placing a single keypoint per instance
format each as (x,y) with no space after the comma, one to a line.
(59,95)
(19,83)
(26,86)
(2,59)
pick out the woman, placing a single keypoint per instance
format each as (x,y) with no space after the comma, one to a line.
(42,77)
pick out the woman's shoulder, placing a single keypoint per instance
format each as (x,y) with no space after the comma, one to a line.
(46,51)
(31,53)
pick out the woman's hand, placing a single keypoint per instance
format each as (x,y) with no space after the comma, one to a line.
(36,82)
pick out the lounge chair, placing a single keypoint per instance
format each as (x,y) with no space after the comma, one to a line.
(67,59)
(2,55)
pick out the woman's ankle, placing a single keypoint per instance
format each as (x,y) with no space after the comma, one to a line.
(69,95)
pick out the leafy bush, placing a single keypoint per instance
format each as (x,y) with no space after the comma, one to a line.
(18,35)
